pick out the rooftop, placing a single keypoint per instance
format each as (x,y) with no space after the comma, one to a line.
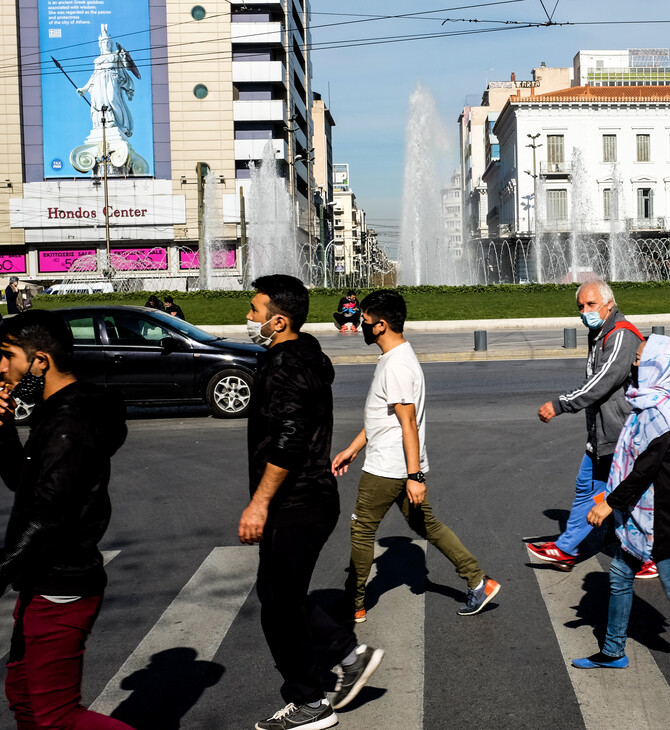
(601,94)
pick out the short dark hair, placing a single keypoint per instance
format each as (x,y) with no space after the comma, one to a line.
(351,291)
(387,305)
(288,296)
(40,329)
(169,299)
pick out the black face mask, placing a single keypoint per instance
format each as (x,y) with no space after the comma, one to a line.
(30,389)
(369,338)
(634,369)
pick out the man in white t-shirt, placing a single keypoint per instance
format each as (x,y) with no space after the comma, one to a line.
(395,458)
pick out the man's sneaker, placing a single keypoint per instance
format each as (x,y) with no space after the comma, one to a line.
(343,328)
(478,597)
(549,553)
(303,716)
(352,678)
(601,661)
(648,570)
(360,616)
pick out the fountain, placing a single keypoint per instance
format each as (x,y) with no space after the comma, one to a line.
(271,247)
(422,251)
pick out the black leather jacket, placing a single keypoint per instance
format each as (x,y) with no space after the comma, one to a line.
(61,505)
(291,426)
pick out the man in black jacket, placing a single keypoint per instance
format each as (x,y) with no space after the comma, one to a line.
(61,511)
(294,508)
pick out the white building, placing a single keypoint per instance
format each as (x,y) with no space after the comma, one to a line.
(630,67)
(600,153)
(452,214)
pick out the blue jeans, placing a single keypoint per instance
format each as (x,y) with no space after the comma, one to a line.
(591,480)
(622,574)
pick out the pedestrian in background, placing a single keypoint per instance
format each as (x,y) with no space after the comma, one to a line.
(172,308)
(395,459)
(612,345)
(639,495)
(294,508)
(153,302)
(13,296)
(61,511)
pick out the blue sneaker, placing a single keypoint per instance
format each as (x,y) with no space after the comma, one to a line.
(477,598)
(601,661)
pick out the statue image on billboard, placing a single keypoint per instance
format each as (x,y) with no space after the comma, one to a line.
(110,87)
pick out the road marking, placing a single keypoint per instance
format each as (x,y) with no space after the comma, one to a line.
(638,696)
(8,601)
(395,624)
(198,618)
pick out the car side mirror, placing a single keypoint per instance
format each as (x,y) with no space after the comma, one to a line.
(169,344)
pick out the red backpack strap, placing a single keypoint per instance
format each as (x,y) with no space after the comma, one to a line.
(623,326)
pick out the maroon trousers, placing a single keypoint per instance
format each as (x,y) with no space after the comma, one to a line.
(44,671)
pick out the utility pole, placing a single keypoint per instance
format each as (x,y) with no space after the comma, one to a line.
(244,264)
(201,170)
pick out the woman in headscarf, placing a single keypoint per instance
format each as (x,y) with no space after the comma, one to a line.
(638,494)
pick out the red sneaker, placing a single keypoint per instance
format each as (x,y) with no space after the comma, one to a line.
(360,616)
(648,570)
(549,553)
(343,328)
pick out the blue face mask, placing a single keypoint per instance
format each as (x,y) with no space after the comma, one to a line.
(592,320)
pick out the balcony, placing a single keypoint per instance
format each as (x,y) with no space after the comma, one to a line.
(646,224)
(258,71)
(252,149)
(256,33)
(555,169)
(259,111)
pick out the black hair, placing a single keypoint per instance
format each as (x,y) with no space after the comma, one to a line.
(288,296)
(169,299)
(387,305)
(40,330)
(351,291)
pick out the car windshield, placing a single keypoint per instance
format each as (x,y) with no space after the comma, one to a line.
(190,330)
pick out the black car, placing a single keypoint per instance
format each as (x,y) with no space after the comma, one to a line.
(151,357)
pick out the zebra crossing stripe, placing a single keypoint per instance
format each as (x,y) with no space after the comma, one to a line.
(395,624)
(636,697)
(8,601)
(198,618)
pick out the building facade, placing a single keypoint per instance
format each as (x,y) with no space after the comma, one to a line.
(630,67)
(452,214)
(184,96)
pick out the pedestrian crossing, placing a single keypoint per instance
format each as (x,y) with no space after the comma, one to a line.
(202,613)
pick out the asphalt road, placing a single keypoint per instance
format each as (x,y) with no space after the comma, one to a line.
(179,583)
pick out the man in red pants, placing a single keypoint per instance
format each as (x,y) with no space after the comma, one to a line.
(61,511)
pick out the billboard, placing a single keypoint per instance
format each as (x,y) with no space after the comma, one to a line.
(58,262)
(222,258)
(95,54)
(12,263)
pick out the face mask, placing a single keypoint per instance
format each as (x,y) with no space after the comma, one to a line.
(369,338)
(30,388)
(254,332)
(592,320)
(634,371)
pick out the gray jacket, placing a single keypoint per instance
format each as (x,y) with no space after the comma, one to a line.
(602,393)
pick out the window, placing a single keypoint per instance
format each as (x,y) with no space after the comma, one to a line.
(83,330)
(607,204)
(555,152)
(645,202)
(557,205)
(643,148)
(198,12)
(125,329)
(200,91)
(609,147)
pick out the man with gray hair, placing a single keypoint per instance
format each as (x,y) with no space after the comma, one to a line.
(613,342)
(12,295)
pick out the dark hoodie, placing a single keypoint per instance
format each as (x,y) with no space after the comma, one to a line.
(61,505)
(291,426)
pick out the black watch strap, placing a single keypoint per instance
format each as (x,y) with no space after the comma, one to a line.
(418,476)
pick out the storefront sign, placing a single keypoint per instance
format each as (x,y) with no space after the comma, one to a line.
(13,263)
(221,259)
(60,261)
(139,259)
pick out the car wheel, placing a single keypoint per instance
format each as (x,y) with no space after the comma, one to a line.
(229,394)
(22,412)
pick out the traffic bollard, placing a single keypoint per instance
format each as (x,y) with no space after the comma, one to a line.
(480,340)
(570,338)
(658,329)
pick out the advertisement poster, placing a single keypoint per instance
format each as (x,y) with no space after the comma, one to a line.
(139,259)
(50,262)
(12,263)
(96,53)
(221,259)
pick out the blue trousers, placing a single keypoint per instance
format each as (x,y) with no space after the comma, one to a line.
(622,574)
(591,480)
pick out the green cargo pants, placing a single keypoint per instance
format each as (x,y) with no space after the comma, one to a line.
(376,495)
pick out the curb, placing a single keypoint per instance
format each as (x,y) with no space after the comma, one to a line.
(469,356)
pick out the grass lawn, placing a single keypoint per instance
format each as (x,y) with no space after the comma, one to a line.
(423,303)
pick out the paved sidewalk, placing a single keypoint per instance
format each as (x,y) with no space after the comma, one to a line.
(453,341)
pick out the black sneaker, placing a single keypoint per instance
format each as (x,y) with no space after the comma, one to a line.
(304,716)
(352,678)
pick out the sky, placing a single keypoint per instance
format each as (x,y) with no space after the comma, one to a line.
(367,83)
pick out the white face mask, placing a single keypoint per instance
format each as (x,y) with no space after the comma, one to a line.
(254,332)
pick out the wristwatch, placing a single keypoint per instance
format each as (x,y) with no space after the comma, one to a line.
(418,477)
